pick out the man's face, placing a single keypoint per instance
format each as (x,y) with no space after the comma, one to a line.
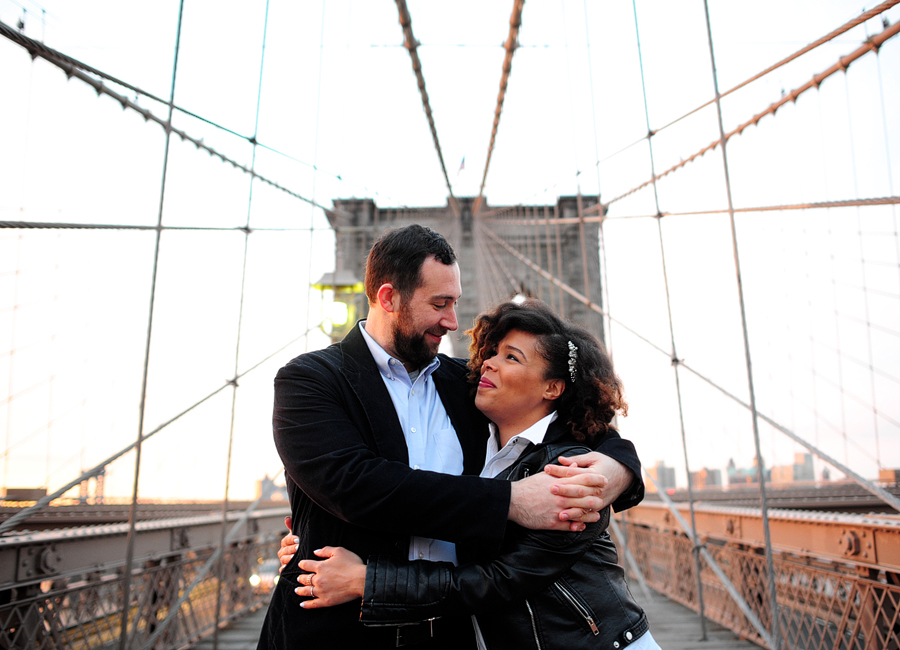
(429,314)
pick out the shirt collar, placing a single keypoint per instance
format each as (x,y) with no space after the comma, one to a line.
(391,367)
(534,434)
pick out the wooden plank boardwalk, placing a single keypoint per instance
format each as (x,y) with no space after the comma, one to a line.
(674,627)
(241,633)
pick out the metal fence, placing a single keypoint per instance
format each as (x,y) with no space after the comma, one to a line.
(64,589)
(824,603)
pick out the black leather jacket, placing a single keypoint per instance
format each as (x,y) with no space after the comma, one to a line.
(545,589)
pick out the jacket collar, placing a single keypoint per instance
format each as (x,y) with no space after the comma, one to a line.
(361,372)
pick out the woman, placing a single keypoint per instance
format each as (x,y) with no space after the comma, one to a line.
(549,389)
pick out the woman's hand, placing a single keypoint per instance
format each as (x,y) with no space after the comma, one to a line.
(289,545)
(339,578)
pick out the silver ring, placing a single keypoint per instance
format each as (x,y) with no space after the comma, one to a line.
(311,591)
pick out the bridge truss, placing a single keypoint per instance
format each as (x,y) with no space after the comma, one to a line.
(770,289)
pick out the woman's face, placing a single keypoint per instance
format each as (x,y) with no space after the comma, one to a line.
(513,391)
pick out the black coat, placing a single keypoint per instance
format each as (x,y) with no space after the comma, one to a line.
(544,589)
(350,484)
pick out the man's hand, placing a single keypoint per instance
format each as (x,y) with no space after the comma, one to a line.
(567,496)
(338,579)
(289,545)
(618,478)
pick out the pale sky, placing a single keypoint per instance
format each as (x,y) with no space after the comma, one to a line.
(822,287)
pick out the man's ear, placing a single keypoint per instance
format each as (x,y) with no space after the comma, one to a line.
(388,298)
(555,388)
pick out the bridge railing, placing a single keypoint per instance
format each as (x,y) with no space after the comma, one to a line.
(65,588)
(837,576)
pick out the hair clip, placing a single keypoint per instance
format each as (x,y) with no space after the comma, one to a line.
(573,358)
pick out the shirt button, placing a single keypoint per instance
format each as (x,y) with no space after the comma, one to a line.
(414,392)
(413,429)
(421,555)
(415,467)
(628,635)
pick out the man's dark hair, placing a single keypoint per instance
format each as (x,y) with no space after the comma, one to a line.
(397,257)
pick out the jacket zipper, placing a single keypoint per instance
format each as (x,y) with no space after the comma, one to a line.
(526,473)
(537,641)
(581,609)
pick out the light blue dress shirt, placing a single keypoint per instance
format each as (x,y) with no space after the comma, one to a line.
(430,436)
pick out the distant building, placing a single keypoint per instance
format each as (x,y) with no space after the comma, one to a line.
(706,478)
(24,494)
(801,470)
(743,475)
(889,475)
(664,476)
(803,467)
(278,493)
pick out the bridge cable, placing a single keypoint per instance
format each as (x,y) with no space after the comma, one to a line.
(862,18)
(50,225)
(887,151)
(310,254)
(132,517)
(71,70)
(411,45)
(760,466)
(237,346)
(42,503)
(37,48)
(674,353)
(511,44)
(871,45)
(865,281)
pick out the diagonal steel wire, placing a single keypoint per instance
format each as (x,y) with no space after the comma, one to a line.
(512,42)
(411,44)
(872,44)
(37,48)
(863,17)
(101,89)
(24,514)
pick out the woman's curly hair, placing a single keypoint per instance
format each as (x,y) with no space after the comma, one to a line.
(589,403)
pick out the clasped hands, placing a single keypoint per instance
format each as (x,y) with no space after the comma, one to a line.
(563,497)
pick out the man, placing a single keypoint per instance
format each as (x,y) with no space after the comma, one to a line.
(382,448)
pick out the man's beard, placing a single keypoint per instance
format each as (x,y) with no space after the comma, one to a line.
(410,346)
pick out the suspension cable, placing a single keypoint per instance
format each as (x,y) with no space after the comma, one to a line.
(72,71)
(863,17)
(760,465)
(237,349)
(674,357)
(411,45)
(512,42)
(26,513)
(37,48)
(132,515)
(871,45)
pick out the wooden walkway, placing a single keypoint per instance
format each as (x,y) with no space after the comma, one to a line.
(674,627)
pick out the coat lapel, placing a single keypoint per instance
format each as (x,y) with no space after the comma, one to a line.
(361,373)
